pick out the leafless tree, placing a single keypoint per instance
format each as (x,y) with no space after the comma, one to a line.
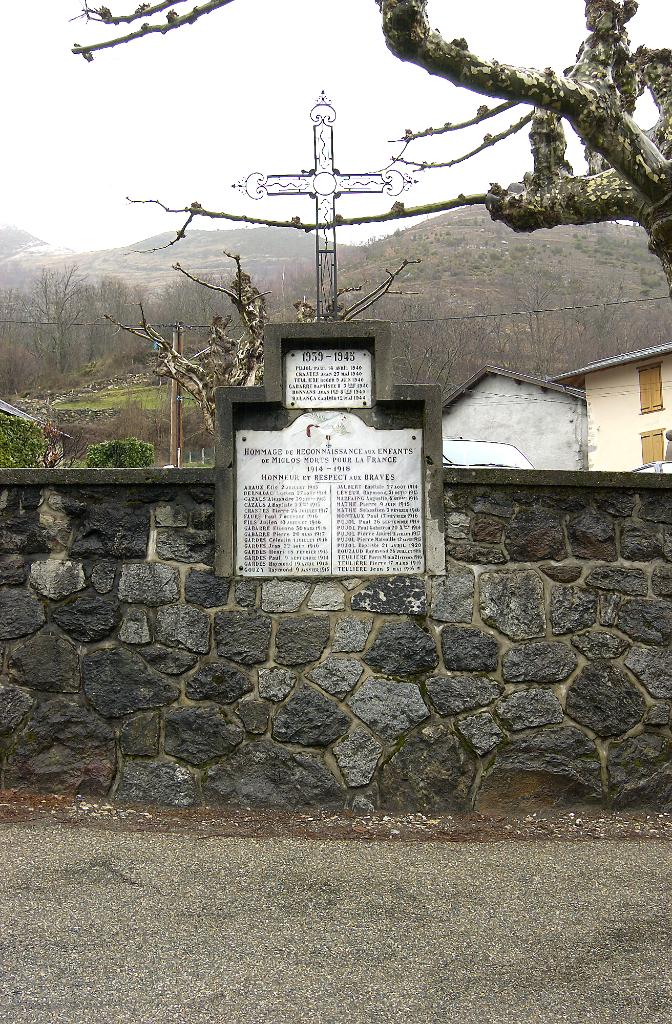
(56,304)
(629,173)
(234,353)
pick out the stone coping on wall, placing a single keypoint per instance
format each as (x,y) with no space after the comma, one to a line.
(496,477)
(103,477)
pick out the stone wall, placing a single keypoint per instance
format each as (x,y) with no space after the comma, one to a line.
(538,670)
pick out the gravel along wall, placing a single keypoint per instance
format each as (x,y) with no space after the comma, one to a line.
(537,671)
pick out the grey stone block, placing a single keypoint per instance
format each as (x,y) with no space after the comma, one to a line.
(159,783)
(309,719)
(56,579)
(453,596)
(540,662)
(14,706)
(135,627)
(262,774)
(467,649)
(103,575)
(394,595)
(88,617)
(301,640)
(170,515)
(640,772)
(254,714)
(219,682)
(179,625)
(198,735)
(402,648)
(337,675)
(186,545)
(244,637)
(658,715)
(206,589)
(592,535)
(46,662)
(513,602)
(13,570)
(112,531)
(351,635)
(624,581)
(481,732)
(139,735)
(562,573)
(327,596)
(647,621)
(534,534)
(527,709)
(357,756)
(117,682)
(389,707)
(603,699)
(149,583)
(653,668)
(640,544)
(245,592)
(275,683)
(170,660)
(661,581)
(64,748)
(21,613)
(283,595)
(599,646)
(555,766)
(431,772)
(572,609)
(451,695)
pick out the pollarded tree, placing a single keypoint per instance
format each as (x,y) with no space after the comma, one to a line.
(629,173)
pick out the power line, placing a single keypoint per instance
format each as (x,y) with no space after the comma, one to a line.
(527,312)
(419,320)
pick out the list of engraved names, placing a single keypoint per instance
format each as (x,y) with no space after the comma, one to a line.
(328,377)
(329,495)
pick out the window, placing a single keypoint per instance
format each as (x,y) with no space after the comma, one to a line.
(651,388)
(653,446)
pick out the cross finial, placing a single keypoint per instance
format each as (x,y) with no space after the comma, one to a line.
(325,184)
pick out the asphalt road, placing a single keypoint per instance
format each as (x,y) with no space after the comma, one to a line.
(104,928)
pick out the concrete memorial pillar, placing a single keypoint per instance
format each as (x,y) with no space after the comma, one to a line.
(329,468)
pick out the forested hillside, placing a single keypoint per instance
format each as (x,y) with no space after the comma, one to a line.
(447,320)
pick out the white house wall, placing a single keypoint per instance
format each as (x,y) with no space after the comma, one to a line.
(549,427)
(616,421)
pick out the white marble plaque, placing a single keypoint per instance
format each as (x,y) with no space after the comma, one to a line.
(329,495)
(334,378)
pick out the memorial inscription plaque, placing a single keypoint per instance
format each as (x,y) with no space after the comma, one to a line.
(329,468)
(335,378)
(329,495)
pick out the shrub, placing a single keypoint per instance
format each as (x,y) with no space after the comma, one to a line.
(22,442)
(125,453)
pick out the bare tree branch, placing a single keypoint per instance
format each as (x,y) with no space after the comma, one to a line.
(146,29)
(488,142)
(398,212)
(482,114)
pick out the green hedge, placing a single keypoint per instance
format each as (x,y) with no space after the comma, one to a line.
(126,453)
(22,442)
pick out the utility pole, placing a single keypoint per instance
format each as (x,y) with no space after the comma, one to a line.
(176,404)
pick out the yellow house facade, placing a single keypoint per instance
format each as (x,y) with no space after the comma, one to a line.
(629,406)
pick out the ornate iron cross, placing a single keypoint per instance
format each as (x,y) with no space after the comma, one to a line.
(324,183)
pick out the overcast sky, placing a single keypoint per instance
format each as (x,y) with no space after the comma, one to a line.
(184,116)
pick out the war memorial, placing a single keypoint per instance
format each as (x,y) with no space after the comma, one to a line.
(329,619)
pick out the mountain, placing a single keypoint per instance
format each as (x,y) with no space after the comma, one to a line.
(148,262)
(464,256)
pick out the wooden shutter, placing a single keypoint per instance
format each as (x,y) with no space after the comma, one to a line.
(651,388)
(653,446)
